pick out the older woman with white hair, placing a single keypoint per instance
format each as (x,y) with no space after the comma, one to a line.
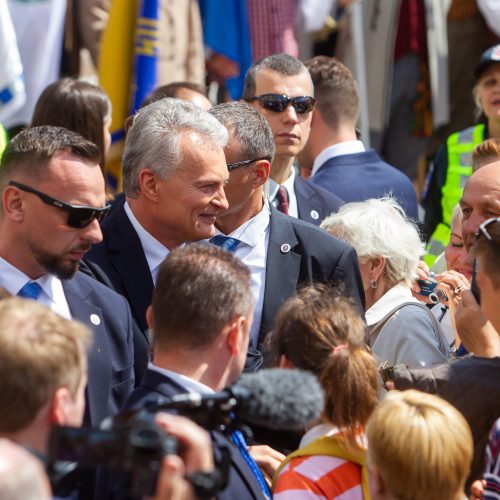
(402,330)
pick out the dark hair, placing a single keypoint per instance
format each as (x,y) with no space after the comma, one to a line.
(29,152)
(248,127)
(199,289)
(321,330)
(76,105)
(335,90)
(282,64)
(173,90)
(489,251)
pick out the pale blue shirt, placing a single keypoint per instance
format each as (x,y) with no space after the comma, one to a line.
(12,279)
(184,381)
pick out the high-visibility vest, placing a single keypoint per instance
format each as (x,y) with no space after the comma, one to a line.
(3,139)
(460,147)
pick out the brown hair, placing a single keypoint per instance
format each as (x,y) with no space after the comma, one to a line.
(335,90)
(486,152)
(30,151)
(199,289)
(41,352)
(321,330)
(76,105)
(173,90)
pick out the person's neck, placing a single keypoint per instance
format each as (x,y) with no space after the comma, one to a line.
(494,128)
(231,221)
(281,168)
(373,295)
(330,137)
(35,437)
(145,213)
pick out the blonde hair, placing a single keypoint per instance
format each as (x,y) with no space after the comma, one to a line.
(420,445)
(486,152)
(41,352)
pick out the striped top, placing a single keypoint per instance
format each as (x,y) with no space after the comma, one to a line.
(492,469)
(319,477)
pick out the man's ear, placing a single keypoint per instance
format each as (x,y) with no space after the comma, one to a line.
(13,206)
(261,173)
(148,182)
(149,317)
(234,331)
(58,404)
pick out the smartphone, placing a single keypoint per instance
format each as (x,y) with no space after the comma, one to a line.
(473,284)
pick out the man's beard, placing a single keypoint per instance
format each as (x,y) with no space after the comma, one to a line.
(64,269)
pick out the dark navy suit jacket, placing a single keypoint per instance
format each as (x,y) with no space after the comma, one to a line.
(299,253)
(121,257)
(313,202)
(111,357)
(360,176)
(242,483)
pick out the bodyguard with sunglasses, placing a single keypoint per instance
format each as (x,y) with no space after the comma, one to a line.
(279,86)
(53,199)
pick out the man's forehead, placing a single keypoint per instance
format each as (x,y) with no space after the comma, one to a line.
(272,81)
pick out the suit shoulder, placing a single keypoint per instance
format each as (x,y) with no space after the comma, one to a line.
(97,289)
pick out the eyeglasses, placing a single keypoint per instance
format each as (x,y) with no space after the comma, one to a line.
(79,216)
(483,230)
(278,102)
(232,166)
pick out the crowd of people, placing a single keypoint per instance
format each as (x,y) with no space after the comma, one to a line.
(250,235)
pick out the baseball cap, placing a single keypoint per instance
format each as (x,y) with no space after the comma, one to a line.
(488,57)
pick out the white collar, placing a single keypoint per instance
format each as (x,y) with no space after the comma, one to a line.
(342,148)
(186,382)
(288,184)
(316,432)
(13,279)
(252,231)
(398,294)
(154,251)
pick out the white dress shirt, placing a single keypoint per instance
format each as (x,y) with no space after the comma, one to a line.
(254,237)
(154,251)
(12,279)
(342,148)
(186,382)
(293,209)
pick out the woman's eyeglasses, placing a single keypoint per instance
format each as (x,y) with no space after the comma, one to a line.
(278,102)
(79,216)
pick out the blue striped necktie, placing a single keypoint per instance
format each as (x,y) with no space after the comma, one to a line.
(30,290)
(225,242)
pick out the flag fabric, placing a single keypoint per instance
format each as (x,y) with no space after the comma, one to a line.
(12,90)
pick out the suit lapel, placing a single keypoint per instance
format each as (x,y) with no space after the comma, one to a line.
(99,364)
(127,256)
(282,268)
(308,206)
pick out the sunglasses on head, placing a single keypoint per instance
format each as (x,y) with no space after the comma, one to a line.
(278,102)
(232,166)
(79,216)
(483,230)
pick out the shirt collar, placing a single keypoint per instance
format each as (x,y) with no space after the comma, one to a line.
(154,251)
(13,279)
(288,184)
(342,148)
(398,294)
(186,382)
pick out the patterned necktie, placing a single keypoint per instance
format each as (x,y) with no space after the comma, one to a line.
(225,242)
(30,290)
(282,197)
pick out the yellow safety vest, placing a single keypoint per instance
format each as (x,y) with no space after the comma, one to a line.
(3,139)
(460,147)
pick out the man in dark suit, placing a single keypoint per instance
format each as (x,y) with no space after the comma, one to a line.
(338,159)
(281,251)
(174,171)
(280,87)
(53,200)
(201,315)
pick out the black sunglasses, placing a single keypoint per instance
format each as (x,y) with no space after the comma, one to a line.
(483,230)
(79,216)
(232,166)
(278,102)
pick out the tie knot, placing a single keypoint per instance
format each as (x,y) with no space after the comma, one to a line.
(225,242)
(30,290)
(282,197)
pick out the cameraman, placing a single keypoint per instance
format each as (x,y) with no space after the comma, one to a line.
(200,317)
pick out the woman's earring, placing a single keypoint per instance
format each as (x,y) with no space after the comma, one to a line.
(373,283)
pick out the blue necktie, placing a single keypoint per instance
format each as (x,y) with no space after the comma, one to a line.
(225,242)
(30,290)
(238,439)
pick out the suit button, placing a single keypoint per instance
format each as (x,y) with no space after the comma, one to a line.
(285,248)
